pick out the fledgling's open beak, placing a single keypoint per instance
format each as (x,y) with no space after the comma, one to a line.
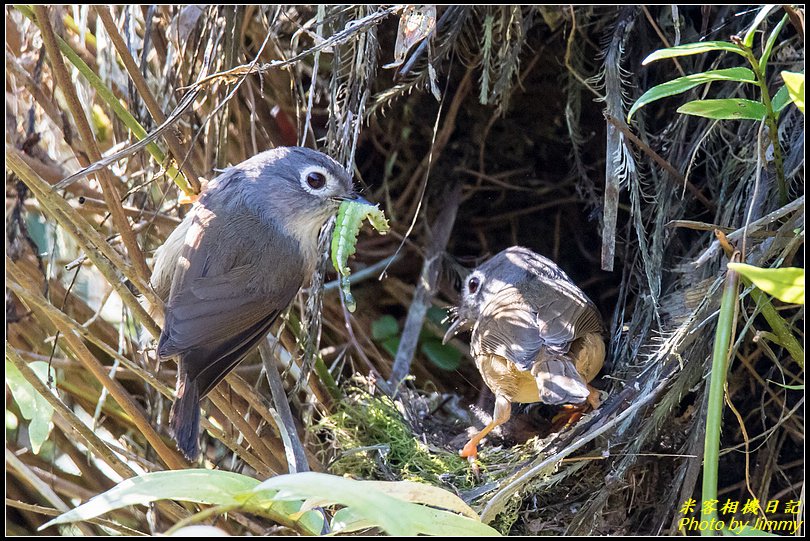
(457,326)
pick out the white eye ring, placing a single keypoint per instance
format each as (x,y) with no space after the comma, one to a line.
(316,180)
(473,284)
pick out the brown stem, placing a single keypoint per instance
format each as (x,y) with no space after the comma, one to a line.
(426,289)
(30,294)
(170,136)
(108,261)
(111,195)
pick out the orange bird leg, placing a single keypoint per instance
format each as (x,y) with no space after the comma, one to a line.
(503,410)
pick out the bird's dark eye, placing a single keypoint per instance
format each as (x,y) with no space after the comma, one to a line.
(316,180)
(473,284)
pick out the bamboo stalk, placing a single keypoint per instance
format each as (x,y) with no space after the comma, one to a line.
(74,426)
(30,478)
(63,321)
(273,466)
(714,408)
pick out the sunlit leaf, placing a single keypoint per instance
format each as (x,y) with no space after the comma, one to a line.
(390,509)
(725,109)
(212,487)
(692,48)
(786,284)
(33,405)
(682,84)
(748,40)
(199,486)
(795,87)
(425,494)
(781,99)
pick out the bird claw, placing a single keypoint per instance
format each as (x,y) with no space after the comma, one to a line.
(470,451)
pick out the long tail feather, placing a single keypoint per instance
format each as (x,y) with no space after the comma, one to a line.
(184,418)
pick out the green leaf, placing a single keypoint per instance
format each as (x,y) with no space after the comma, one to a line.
(725,109)
(786,284)
(390,509)
(682,84)
(412,491)
(766,53)
(384,327)
(212,487)
(445,357)
(437,315)
(748,40)
(781,99)
(692,48)
(391,345)
(33,405)
(795,87)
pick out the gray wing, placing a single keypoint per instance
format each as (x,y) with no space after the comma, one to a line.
(567,312)
(233,277)
(558,381)
(541,315)
(507,327)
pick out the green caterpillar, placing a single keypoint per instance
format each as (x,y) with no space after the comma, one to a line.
(344,240)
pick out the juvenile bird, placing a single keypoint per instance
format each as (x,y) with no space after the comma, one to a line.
(536,337)
(234,263)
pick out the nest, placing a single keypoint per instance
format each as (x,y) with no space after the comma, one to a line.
(505,126)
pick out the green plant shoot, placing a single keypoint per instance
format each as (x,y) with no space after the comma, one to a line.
(786,284)
(766,108)
(344,240)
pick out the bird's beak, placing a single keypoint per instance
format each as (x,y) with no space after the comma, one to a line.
(357,198)
(454,329)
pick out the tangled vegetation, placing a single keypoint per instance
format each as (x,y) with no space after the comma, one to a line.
(475,128)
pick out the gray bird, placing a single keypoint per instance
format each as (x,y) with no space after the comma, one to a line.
(536,337)
(235,262)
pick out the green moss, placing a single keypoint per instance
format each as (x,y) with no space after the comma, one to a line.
(372,440)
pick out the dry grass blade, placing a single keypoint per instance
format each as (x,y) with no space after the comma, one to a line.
(111,195)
